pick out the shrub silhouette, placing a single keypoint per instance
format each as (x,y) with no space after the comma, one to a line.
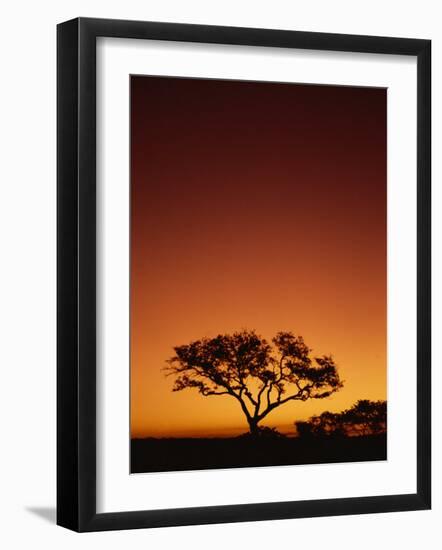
(365,417)
(258,375)
(264,432)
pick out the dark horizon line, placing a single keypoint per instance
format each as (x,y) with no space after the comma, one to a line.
(287,436)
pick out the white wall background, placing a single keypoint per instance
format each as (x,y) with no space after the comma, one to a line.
(27,276)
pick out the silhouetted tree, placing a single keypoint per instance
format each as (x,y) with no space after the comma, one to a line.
(259,376)
(326,424)
(365,417)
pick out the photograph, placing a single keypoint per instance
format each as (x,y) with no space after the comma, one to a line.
(258,274)
(220,315)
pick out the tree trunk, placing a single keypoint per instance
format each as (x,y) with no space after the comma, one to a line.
(253,427)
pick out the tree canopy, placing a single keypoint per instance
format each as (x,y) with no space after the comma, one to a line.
(259,375)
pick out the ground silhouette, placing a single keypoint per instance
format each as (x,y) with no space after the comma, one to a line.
(178,454)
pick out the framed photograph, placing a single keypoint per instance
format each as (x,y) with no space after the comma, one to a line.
(243,274)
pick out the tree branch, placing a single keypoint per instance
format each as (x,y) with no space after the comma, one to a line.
(243,406)
(210,392)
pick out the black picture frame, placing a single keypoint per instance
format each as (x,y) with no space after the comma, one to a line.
(77,287)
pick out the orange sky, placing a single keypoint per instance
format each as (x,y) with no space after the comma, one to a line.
(259,206)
